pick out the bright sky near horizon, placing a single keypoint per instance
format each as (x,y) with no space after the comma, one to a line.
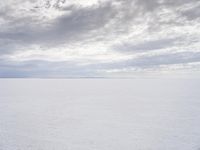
(99,38)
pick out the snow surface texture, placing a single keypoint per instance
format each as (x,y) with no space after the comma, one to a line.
(99,114)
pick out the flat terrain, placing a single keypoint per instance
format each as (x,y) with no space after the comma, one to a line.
(99,114)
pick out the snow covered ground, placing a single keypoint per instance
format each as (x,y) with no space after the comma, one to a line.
(99,114)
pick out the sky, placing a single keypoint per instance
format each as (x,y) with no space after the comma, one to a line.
(99,38)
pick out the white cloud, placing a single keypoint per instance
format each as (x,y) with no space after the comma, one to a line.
(98,37)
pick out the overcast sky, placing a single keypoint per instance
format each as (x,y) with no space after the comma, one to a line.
(98,38)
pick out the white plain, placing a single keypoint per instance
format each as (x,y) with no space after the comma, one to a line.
(99,114)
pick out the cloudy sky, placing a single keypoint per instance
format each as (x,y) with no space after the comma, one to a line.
(99,38)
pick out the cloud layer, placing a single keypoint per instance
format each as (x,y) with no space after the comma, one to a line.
(63,38)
